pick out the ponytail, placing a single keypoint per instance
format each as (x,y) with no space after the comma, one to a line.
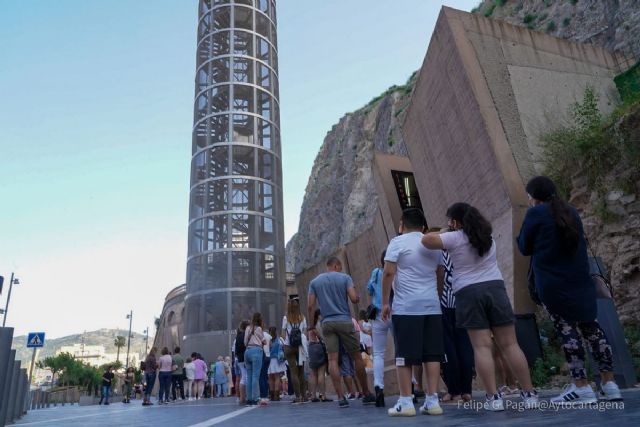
(474,225)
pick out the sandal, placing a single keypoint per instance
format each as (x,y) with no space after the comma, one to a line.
(448,398)
(466,397)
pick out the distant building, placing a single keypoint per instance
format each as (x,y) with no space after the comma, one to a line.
(96,355)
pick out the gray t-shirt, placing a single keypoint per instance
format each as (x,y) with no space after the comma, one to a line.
(330,290)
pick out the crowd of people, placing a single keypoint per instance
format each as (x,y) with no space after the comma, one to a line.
(441,296)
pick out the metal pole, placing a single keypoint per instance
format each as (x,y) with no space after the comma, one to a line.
(6,307)
(129,338)
(33,361)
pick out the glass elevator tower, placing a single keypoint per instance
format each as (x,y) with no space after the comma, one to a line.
(235,263)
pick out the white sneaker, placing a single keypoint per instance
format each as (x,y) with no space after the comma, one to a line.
(431,405)
(494,403)
(530,399)
(402,410)
(610,392)
(572,394)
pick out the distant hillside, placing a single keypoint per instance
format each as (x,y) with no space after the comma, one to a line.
(104,337)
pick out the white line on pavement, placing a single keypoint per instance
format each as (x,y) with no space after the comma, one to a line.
(222,418)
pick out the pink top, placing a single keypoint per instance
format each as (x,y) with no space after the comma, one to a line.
(201,369)
(164,363)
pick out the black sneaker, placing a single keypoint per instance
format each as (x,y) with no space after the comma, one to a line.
(343,403)
(379,397)
(369,399)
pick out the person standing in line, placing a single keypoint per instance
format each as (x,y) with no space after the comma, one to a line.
(165,366)
(264,375)
(365,331)
(294,325)
(276,364)
(107,380)
(253,340)
(231,385)
(458,367)
(317,362)
(416,319)
(380,330)
(220,377)
(177,375)
(331,291)
(553,235)
(199,376)
(482,304)
(129,378)
(150,369)
(190,371)
(239,351)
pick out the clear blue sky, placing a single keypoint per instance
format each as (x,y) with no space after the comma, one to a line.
(95,138)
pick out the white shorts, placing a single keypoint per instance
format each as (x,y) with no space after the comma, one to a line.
(365,340)
(275,367)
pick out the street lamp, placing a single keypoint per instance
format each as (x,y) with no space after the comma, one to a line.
(13,281)
(130,317)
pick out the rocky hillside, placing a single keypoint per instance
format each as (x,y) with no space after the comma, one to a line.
(104,337)
(613,24)
(340,198)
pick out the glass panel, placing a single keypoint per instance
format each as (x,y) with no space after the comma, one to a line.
(243,191)
(218,162)
(243,98)
(242,70)
(247,2)
(266,165)
(243,18)
(204,26)
(273,11)
(243,305)
(265,134)
(201,106)
(221,42)
(264,76)
(216,232)
(197,201)
(270,308)
(268,269)
(216,270)
(263,5)
(202,79)
(266,233)
(243,268)
(219,98)
(264,104)
(274,35)
(219,71)
(243,230)
(274,59)
(243,43)
(262,49)
(265,198)
(196,237)
(204,47)
(198,167)
(196,273)
(243,128)
(217,2)
(207,313)
(222,18)
(218,195)
(219,128)
(243,160)
(262,25)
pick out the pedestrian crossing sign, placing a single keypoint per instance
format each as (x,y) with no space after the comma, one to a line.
(35,339)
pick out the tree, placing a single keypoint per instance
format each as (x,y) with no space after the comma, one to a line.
(119,342)
(59,363)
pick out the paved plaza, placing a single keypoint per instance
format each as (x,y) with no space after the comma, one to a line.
(225,412)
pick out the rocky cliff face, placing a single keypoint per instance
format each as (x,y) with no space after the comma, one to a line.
(612,24)
(340,198)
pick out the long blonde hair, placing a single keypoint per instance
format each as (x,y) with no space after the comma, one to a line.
(293,311)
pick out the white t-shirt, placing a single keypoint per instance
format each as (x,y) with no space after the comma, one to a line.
(415,290)
(469,267)
(286,326)
(267,343)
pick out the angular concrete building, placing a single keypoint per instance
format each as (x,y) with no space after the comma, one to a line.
(235,260)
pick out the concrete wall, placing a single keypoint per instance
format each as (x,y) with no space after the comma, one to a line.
(485,93)
(171,329)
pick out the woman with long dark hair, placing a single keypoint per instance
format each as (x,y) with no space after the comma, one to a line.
(253,340)
(294,325)
(553,235)
(482,304)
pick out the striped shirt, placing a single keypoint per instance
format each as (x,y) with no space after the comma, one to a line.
(447,300)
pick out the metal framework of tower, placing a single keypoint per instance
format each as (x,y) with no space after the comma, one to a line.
(235,263)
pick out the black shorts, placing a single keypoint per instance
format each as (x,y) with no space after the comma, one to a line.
(418,339)
(483,305)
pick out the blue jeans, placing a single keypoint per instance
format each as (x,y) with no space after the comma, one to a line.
(165,386)
(106,390)
(221,389)
(264,378)
(253,362)
(151,381)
